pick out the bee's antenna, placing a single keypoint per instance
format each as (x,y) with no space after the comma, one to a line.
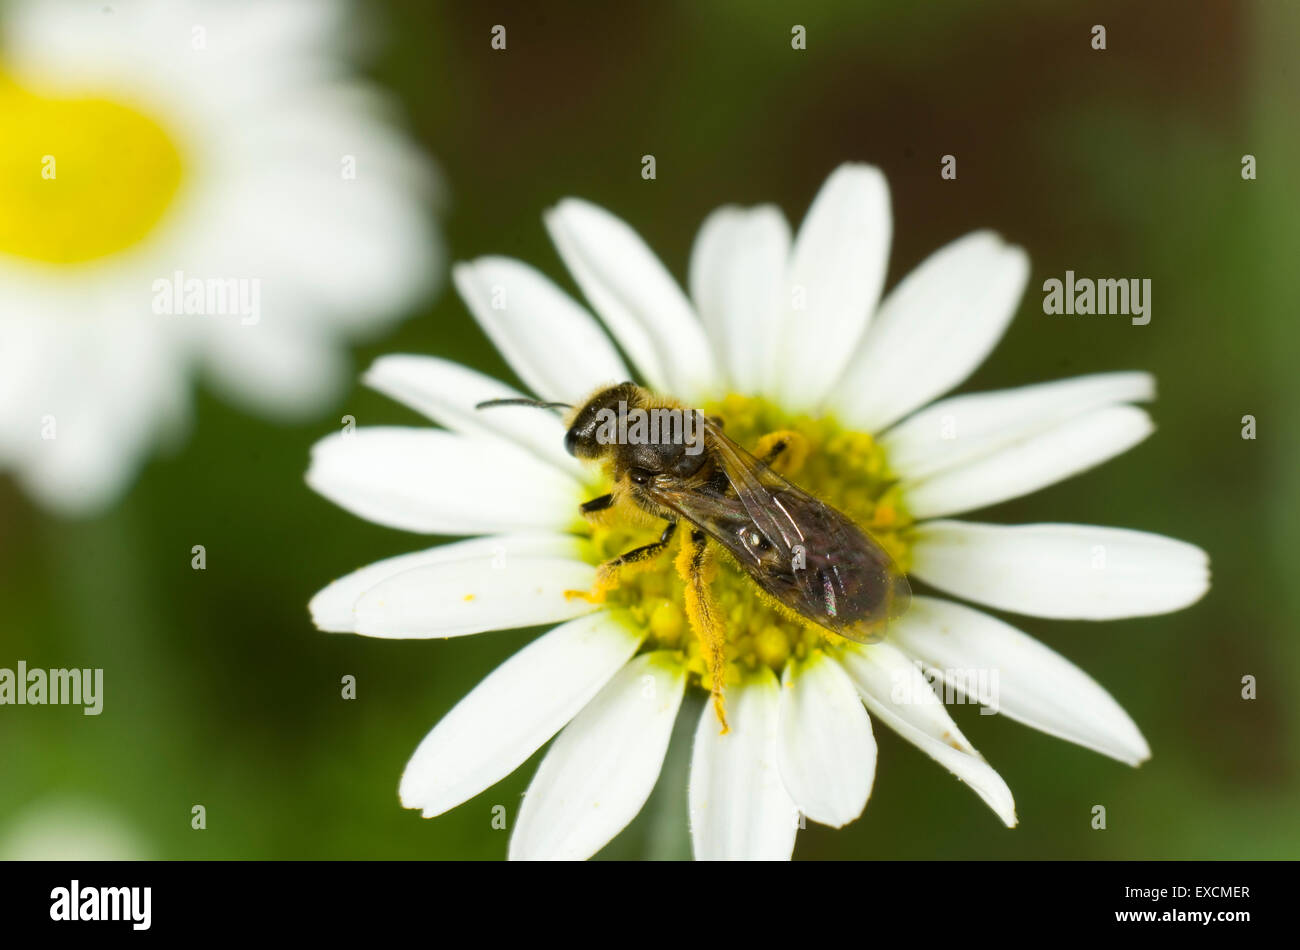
(535,403)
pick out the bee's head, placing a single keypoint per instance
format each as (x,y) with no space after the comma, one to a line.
(581,440)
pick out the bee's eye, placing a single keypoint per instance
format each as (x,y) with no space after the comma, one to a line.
(571,442)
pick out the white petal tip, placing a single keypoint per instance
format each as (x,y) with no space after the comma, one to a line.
(1198,583)
(1132,750)
(413,800)
(330,624)
(554,216)
(378,374)
(462,275)
(312,475)
(859,170)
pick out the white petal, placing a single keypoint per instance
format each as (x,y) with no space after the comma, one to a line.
(273,367)
(740,809)
(333,608)
(440,483)
(957,430)
(105,390)
(636,296)
(601,769)
(457,598)
(514,710)
(555,346)
(837,269)
(447,393)
(825,749)
(933,330)
(898,694)
(353,254)
(1077,572)
(266,109)
(1031,463)
(737,282)
(986,659)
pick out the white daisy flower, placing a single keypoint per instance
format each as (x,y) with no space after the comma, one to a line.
(186,185)
(778,333)
(69,828)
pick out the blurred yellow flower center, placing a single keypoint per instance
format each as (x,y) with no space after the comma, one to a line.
(80,178)
(844,469)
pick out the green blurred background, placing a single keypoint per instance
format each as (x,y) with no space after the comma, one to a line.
(1123,162)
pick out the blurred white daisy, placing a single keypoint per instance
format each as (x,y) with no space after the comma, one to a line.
(184,186)
(779,333)
(68,828)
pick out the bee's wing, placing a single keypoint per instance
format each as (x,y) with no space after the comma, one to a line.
(721,517)
(810,556)
(757,486)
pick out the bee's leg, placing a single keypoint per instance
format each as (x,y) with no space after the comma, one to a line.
(784,451)
(603,503)
(598,509)
(698,568)
(607,575)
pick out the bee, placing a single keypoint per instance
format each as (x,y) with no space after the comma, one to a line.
(812,561)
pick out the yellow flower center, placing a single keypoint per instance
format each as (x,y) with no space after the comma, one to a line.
(80,178)
(845,469)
